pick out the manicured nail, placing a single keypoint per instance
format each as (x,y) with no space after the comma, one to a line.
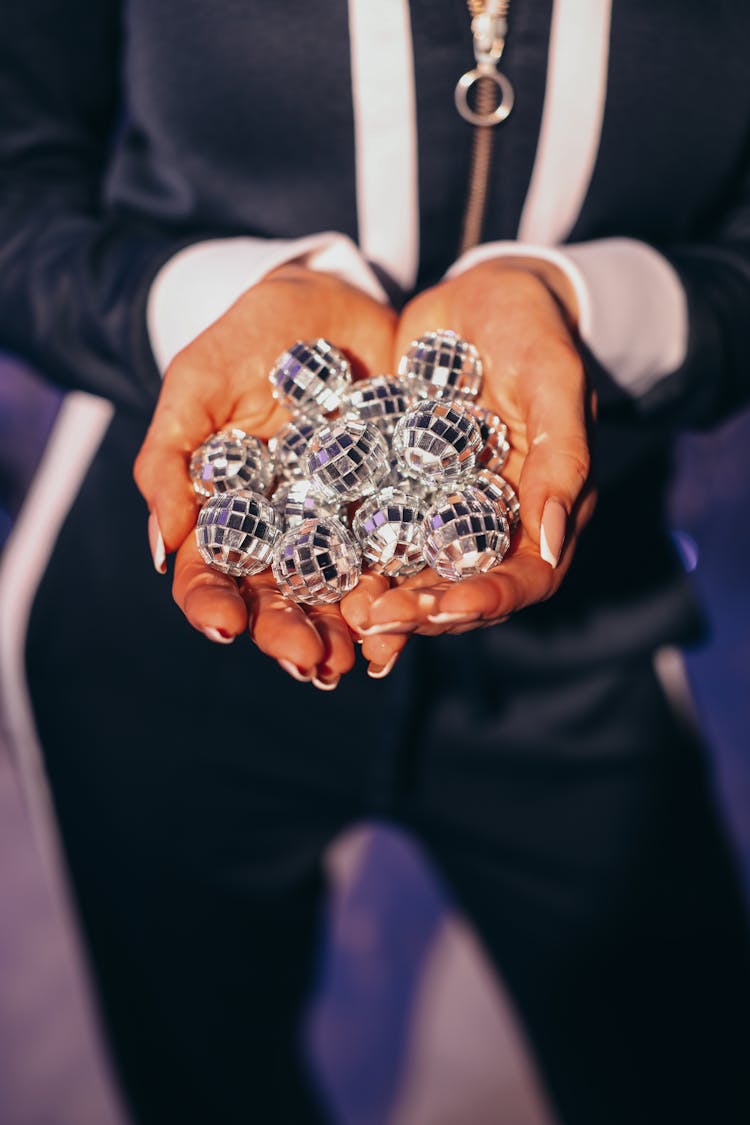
(380,671)
(552,532)
(449,618)
(325,685)
(355,623)
(386,627)
(156,543)
(218,636)
(295,672)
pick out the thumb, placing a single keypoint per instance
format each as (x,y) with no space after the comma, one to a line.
(557,465)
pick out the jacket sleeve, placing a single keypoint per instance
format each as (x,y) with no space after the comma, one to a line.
(665,328)
(713,381)
(710,379)
(74,275)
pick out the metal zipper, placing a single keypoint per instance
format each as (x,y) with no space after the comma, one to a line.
(494,101)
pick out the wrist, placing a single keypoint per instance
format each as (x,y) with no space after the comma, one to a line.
(555,280)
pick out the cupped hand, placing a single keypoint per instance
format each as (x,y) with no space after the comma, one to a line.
(221,379)
(521,317)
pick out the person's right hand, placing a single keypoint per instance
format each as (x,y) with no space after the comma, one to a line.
(221,379)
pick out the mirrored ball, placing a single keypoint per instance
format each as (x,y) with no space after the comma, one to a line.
(300,500)
(501,493)
(438,441)
(421,488)
(229,460)
(495,445)
(310,377)
(347,460)
(442,365)
(388,526)
(288,447)
(464,533)
(236,533)
(317,562)
(380,400)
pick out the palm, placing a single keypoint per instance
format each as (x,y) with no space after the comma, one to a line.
(534,381)
(222,379)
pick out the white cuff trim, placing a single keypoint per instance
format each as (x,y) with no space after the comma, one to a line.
(632,306)
(196,286)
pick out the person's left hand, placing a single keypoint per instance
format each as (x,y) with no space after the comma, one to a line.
(520,316)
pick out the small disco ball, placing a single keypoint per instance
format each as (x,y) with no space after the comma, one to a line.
(347,460)
(495,444)
(442,365)
(464,533)
(500,493)
(381,400)
(229,460)
(236,533)
(317,562)
(389,529)
(437,441)
(310,377)
(300,499)
(419,488)
(288,447)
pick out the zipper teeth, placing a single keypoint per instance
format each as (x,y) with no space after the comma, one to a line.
(479,171)
(481,149)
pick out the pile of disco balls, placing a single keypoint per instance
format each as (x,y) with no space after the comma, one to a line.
(415,451)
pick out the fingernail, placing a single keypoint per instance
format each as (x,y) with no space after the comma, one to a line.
(380,671)
(295,672)
(448,618)
(552,532)
(385,627)
(218,636)
(156,543)
(325,685)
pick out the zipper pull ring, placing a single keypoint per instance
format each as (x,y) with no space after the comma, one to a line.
(489,28)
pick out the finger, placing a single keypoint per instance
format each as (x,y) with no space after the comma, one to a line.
(557,465)
(355,606)
(521,580)
(403,610)
(381,654)
(210,600)
(183,418)
(338,647)
(281,628)
(498,593)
